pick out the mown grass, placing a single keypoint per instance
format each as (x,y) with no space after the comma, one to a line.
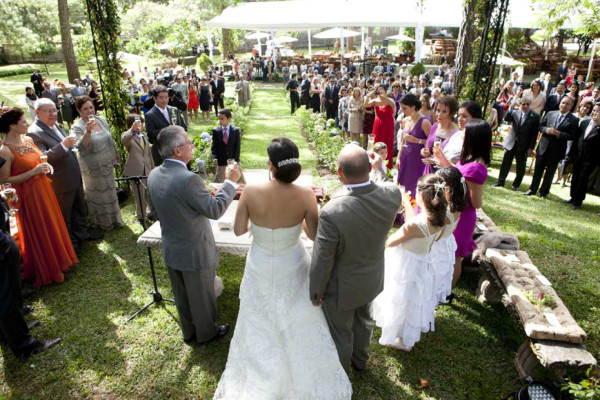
(469,356)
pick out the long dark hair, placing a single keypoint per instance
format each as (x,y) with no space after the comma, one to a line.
(285,152)
(456,184)
(478,142)
(434,198)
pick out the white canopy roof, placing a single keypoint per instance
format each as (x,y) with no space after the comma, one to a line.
(334,33)
(316,14)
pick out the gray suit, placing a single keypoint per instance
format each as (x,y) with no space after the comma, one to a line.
(348,264)
(181,202)
(66,180)
(139,163)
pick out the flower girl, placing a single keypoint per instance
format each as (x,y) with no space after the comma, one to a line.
(442,252)
(406,306)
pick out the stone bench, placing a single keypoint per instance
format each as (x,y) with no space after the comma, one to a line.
(555,340)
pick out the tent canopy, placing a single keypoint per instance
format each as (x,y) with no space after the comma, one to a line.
(336,33)
(285,39)
(401,37)
(257,35)
(300,15)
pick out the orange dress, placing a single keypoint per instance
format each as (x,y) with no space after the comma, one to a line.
(46,248)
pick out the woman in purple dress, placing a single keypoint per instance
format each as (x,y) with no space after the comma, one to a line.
(476,153)
(441,132)
(412,138)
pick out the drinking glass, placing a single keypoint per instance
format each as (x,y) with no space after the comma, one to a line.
(11,196)
(371,142)
(437,144)
(44,158)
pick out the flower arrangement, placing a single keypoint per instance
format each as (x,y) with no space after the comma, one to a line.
(322,135)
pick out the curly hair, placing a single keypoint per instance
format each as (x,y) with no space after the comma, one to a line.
(433,194)
(9,116)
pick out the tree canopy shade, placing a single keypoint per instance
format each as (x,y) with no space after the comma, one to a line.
(300,15)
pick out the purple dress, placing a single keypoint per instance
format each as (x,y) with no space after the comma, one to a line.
(429,169)
(411,164)
(476,173)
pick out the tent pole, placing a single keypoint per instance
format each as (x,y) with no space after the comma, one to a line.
(591,63)
(273,51)
(309,46)
(210,44)
(362,42)
(342,47)
(259,45)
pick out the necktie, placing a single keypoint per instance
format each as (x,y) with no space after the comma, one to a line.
(559,121)
(142,142)
(225,135)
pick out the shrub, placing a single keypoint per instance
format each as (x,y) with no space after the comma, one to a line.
(417,69)
(15,71)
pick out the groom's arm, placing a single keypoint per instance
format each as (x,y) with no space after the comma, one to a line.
(323,257)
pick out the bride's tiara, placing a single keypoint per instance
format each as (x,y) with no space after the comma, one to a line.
(287,162)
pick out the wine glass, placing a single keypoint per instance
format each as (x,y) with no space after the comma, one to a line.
(437,144)
(11,196)
(371,142)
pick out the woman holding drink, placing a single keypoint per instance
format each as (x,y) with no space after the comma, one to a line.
(97,157)
(45,245)
(441,131)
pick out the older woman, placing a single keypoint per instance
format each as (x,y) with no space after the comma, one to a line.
(356,115)
(442,131)
(45,245)
(97,157)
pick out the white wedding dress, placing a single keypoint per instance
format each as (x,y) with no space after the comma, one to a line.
(281,347)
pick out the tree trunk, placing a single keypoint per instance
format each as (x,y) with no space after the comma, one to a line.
(226,44)
(67,43)
(559,45)
(350,44)
(464,52)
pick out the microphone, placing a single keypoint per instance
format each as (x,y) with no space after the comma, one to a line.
(139,177)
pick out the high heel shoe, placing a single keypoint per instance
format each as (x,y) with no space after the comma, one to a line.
(450,298)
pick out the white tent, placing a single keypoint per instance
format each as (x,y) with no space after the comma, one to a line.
(300,15)
(257,35)
(401,37)
(285,39)
(336,33)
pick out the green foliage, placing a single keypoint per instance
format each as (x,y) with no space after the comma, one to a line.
(148,39)
(15,71)
(515,40)
(555,13)
(417,69)
(84,48)
(204,62)
(320,134)
(588,388)
(105,24)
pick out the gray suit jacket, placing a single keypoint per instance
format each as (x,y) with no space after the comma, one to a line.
(139,161)
(181,202)
(67,175)
(347,262)
(523,133)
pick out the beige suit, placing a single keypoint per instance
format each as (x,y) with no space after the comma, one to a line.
(348,264)
(139,163)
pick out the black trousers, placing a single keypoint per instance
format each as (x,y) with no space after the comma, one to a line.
(331,110)
(13,328)
(74,211)
(217,103)
(579,181)
(295,101)
(305,99)
(545,166)
(507,160)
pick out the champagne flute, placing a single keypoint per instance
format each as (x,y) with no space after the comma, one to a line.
(230,164)
(11,195)
(437,144)
(371,142)
(92,118)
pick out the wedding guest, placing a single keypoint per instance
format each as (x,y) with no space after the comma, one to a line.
(316,93)
(94,94)
(475,157)
(98,156)
(44,241)
(242,88)
(356,115)
(13,329)
(193,103)
(66,108)
(405,308)
(38,82)
(383,127)
(574,94)
(206,97)
(521,140)
(415,130)
(557,128)
(343,112)
(506,95)
(139,162)
(585,152)
(368,116)
(30,99)
(226,144)
(538,99)
(442,131)
(444,249)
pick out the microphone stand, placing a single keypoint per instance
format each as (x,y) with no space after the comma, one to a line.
(156,296)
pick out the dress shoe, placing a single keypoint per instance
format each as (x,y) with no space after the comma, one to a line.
(43,345)
(92,238)
(529,193)
(498,185)
(27,309)
(190,339)
(358,368)
(33,324)
(221,331)
(543,196)
(27,293)
(514,189)
(576,207)
(570,201)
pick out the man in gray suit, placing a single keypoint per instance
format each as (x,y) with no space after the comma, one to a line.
(53,141)
(347,263)
(181,202)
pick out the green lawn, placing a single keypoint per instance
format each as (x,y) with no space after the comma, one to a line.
(469,356)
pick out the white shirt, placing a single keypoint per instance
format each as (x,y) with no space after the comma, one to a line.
(355,185)
(165,113)
(228,181)
(589,129)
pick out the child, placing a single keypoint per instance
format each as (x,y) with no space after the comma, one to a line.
(406,306)
(442,252)
(226,144)
(380,175)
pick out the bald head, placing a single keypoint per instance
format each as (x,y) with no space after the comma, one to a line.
(353,164)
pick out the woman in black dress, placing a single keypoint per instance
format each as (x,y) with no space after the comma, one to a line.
(205,98)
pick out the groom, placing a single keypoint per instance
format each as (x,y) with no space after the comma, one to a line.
(347,264)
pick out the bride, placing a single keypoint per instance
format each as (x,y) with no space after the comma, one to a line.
(281,347)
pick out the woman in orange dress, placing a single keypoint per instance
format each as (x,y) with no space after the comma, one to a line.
(44,241)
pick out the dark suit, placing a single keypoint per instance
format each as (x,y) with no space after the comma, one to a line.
(305,93)
(52,95)
(585,152)
(222,151)
(552,149)
(66,180)
(332,99)
(218,93)
(562,73)
(155,121)
(184,207)
(521,138)
(547,87)
(37,81)
(553,101)
(13,328)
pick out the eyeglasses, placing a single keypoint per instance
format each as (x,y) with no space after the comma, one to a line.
(50,111)
(524,104)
